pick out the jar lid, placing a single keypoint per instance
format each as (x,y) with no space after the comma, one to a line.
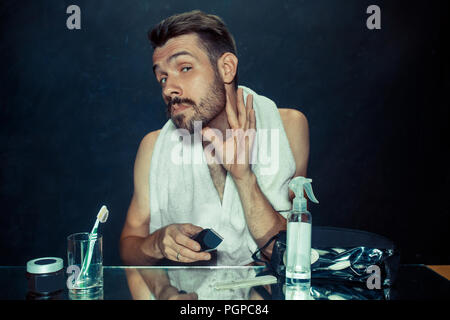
(44,265)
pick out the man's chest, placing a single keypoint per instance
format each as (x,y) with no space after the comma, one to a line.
(218,176)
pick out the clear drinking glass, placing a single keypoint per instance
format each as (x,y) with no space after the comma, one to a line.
(85,266)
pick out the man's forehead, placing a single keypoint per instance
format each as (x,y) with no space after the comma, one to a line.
(188,43)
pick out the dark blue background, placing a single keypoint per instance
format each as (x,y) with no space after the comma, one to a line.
(74,105)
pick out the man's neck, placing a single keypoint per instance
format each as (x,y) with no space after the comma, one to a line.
(220,122)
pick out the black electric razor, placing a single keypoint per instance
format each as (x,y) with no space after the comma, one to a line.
(208,239)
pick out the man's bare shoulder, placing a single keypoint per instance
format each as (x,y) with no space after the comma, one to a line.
(297,131)
(148,142)
(145,151)
(293,119)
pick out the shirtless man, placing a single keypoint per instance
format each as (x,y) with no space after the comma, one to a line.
(198,79)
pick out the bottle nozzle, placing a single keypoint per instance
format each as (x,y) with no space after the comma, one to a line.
(297,185)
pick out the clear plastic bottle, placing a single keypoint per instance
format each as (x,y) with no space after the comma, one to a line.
(299,222)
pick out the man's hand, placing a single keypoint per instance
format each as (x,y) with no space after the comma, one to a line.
(235,152)
(172,293)
(175,243)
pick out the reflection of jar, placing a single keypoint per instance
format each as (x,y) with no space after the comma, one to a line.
(45,279)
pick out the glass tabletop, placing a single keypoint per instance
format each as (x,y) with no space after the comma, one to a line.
(414,282)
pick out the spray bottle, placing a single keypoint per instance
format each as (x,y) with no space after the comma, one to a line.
(298,264)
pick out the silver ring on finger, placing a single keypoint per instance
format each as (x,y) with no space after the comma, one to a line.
(178,256)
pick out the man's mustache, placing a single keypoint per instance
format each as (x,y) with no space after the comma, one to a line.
(178,100)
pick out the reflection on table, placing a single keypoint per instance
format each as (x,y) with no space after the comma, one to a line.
(206,283)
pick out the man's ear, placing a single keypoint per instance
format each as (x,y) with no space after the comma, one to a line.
(227,65)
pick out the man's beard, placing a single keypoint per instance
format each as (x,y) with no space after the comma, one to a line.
(208,108)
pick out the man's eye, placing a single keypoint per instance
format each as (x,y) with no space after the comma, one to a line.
(163,80)
(185,69)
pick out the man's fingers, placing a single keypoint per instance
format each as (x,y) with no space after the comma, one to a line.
(185,296)
(186,248)
(248,109)
(187,255)
(190,229)
(231,114)
(242,115)
(252,119)
(180,253)
(185,241)
(251,112)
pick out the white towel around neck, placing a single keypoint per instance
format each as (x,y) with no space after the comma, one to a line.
(182,190)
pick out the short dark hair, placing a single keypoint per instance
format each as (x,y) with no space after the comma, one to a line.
(211,30)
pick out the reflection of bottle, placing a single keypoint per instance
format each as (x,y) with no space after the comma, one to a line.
(298,264)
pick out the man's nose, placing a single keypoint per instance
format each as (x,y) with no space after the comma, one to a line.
(172,88)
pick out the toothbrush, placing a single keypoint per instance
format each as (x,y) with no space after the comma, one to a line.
(102,216)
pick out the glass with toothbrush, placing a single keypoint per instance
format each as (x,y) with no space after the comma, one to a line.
(85,266)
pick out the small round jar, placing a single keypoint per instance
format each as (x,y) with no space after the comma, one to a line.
(45,278)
